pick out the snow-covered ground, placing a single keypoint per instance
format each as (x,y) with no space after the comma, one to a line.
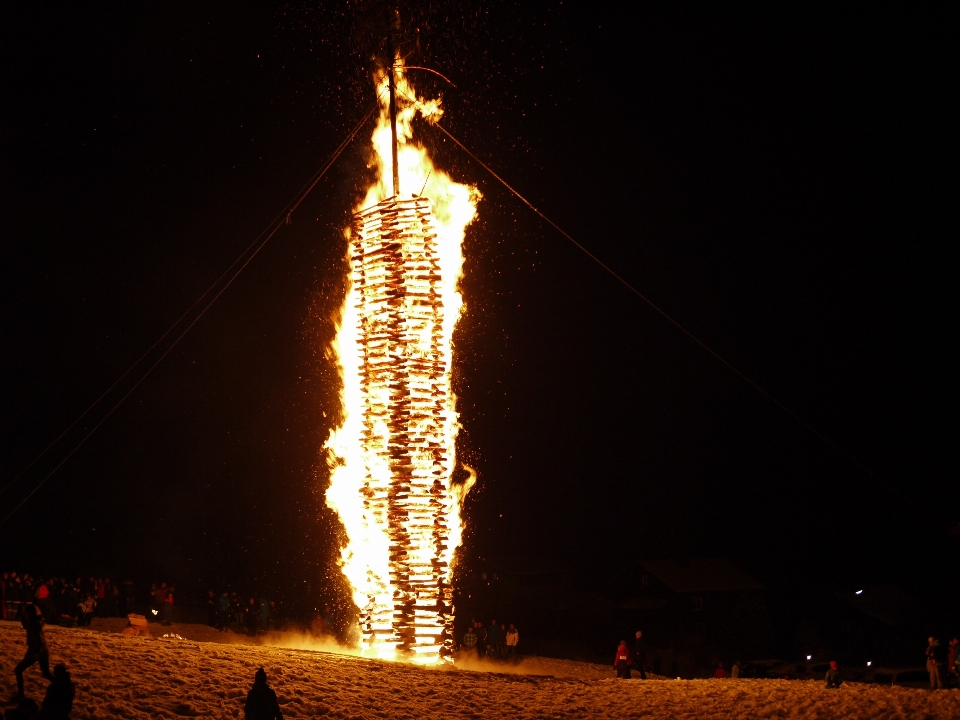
(131,677)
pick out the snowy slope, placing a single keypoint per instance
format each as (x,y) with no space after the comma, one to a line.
(124,677)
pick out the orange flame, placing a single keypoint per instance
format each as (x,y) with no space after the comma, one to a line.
(392,459)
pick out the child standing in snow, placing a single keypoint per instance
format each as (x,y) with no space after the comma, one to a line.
(833,679)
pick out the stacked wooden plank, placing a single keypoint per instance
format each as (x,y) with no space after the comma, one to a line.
(405,381)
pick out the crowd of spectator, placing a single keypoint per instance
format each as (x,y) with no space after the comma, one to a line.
(238,613)
(76,603)
(496,641)
(62,601)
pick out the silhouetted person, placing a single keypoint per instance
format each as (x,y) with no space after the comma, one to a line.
(493,640)
(168,606)
(26,709)
(720,673)
(481,632)
(211,602)
(58,701)
(252,617)
(621,661)
(833,679)
(936,663)
(265,615)
(953,680)
(223,612)
(261,700)
(236,607)
(640,655)
(32,620)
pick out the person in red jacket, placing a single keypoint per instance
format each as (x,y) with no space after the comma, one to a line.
(623,660)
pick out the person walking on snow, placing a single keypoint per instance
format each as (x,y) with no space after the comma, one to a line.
(622,661)
(32,620)
(261,700)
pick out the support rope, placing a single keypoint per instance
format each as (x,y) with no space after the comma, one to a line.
(676,324)
(276,224)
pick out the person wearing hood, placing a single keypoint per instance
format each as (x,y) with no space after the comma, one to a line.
(58,701)
(622,661)
(261,700)
(833,679)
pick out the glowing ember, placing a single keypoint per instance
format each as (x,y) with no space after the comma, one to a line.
(392,459)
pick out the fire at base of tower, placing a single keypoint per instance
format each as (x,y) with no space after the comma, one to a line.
(392,458)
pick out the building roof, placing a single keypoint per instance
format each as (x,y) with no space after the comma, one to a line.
(702,575)
(523,565)
(887,603)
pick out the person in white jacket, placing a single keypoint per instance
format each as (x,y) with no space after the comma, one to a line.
(513,638)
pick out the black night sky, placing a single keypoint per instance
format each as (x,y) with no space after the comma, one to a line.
(781,180)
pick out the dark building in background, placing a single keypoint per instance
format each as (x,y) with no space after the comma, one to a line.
(692,612)
(695,613)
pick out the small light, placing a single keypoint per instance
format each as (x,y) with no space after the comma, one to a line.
(154,612)
(809,657)
(869,663)
(859,592)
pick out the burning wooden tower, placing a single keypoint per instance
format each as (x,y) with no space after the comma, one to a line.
(392,458)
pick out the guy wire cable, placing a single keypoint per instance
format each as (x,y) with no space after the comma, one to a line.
(285,214)
(674,322)
(149,350)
